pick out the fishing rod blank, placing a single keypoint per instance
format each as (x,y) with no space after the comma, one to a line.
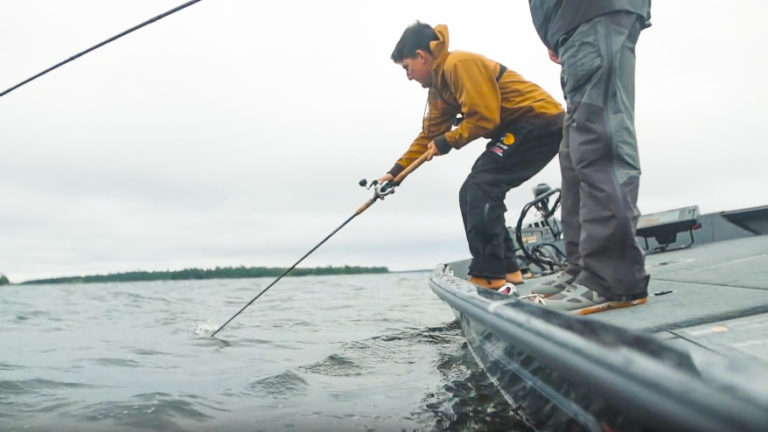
(380,192)
(101,44)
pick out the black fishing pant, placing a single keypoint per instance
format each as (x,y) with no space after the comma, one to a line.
(507,162)
(599,160)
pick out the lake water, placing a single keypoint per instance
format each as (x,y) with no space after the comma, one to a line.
(328,353)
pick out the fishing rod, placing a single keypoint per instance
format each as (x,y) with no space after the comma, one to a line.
(380,191)
(101,44)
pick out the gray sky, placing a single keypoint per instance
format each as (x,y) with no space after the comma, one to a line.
(234,133)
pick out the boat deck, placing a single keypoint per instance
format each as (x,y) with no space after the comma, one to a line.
(694,357)
(714,296)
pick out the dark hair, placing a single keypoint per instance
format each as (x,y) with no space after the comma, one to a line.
(416,37)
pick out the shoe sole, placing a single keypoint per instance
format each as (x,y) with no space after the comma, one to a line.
(602,307)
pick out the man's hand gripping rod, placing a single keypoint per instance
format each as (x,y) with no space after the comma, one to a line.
(381,191)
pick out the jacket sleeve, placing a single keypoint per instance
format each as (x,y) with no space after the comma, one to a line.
(437,121)
(474,84)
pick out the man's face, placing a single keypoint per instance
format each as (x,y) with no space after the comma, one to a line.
(419,68)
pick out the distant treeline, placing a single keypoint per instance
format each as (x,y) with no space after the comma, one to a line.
(216,273)
(4,279)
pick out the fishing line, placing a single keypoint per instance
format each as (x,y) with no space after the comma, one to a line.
(382,190)
(101,44)
(293,266)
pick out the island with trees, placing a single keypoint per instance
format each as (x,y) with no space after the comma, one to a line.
(215,273)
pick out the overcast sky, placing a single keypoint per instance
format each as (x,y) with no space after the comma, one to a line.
(234,133)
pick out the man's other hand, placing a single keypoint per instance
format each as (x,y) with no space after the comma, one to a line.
(553,56)
(432,150)
(385,178)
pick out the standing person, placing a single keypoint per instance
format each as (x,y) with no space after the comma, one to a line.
(522,121)
(594,41)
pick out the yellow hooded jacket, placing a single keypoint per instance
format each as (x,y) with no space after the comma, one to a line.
(488,95)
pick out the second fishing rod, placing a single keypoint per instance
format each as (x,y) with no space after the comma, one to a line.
(380,190)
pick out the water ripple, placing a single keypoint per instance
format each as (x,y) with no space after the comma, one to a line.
(363,352)
(149,411)
(117,362)
(280,386)
(30,315)
(148,352)
(10,367)
(37,385)
(335,365)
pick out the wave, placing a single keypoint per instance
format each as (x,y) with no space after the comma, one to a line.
(280,386)
(147,411)
(360,357)
(10,367)
(116,362)
(32,315)
(466,399)
(138,299)
(335,365)
(18,387)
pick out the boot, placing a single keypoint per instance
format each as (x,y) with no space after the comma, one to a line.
(515,277)
(491,284)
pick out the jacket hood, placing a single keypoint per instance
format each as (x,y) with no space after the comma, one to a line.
(439,51)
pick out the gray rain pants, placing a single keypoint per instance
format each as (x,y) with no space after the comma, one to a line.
(599,160)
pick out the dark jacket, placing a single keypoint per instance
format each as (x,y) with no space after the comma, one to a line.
(554,19)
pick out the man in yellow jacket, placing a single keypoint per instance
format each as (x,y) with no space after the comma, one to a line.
(482,98)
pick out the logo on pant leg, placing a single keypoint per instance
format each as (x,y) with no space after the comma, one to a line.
(509,139)
(499,147)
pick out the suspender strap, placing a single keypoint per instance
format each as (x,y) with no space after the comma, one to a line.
(457,121)
(502,69)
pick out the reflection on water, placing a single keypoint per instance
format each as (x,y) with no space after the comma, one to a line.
(365,352)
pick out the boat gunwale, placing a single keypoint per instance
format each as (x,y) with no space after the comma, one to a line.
(654,387)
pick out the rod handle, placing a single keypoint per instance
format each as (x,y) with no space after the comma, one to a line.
(365,205)
(410,168)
